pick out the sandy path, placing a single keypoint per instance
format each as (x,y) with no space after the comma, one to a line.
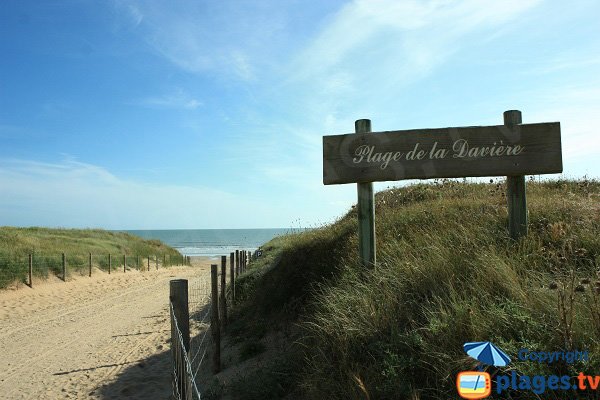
(81,338)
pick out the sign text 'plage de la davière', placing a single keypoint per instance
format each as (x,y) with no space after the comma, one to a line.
(442,153)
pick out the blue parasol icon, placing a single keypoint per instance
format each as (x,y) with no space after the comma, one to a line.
(487,353)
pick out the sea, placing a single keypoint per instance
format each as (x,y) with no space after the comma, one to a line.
(211,242)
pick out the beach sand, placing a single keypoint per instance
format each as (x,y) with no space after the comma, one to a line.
(104,337)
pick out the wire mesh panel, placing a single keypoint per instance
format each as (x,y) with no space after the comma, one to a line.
(200,306)
(77,264)
(191,362)
(13,269)
(184,385)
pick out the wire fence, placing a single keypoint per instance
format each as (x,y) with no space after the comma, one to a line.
(200,314)
(190,309)
(183,378)
(22,269)
(198,307)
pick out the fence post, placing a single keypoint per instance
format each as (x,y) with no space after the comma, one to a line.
(137,262)
(124,262)
(90,265)
(231,277)
(148,263)
(223,301)
(156,257)
(64,267)
(515,188)
(164,260)
(178,296)
(237,263)
(109,263)
(30,270)
(214,319)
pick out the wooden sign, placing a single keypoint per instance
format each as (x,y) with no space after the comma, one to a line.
(524,149)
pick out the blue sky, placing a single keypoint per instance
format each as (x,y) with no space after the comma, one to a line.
(209,114)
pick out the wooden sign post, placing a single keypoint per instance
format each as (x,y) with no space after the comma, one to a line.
(515,189)
(512,150)
(366,209)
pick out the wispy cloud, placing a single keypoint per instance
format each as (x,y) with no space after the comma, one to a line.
(177,99)
(225,37)
(71,193)
(576,107)
(378,45)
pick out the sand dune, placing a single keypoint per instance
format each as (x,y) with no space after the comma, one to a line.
(100,337)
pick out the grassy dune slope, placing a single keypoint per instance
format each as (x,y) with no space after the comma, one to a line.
(47,244)
(447,273)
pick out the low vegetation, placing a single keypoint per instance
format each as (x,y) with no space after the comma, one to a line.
(47,245)
(447,273)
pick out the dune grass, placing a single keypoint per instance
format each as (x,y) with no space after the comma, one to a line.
(47,245)
(446,273)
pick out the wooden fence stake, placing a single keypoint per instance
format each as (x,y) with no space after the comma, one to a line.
(237,263)
(178,296)
(109,263)
(366,210)
(137,262)
(90,265)
(124,262)
(515,188)
(30,270)
(232,277)
(214,319)
(223,301)
(64,267)
(156,257)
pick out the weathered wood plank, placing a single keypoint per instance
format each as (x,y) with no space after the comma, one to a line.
(498,150)
(516,194)
(366,209)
